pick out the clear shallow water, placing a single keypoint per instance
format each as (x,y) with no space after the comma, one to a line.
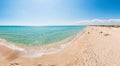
(38,35)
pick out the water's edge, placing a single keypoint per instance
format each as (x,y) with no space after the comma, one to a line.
(41,52)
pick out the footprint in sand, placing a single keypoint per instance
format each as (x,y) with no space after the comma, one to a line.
(14,64)
(106,34)
(88,32)
(39,64)
(101,32)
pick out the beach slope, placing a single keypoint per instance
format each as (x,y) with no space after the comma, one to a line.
(98,46)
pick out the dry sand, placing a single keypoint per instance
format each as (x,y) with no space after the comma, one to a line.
(98,46)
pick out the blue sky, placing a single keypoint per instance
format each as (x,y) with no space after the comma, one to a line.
(56,12)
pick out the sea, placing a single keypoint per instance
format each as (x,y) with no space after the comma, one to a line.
(38,35)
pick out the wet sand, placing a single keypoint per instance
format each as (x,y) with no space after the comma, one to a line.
(98,46)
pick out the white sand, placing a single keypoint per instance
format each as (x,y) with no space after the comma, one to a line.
(98,46)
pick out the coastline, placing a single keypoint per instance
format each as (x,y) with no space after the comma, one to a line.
(10,45)
(97,46)
(31,51)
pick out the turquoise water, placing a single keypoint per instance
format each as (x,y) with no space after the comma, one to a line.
(38,35)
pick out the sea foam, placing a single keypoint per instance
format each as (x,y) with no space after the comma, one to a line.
(53,50)
(57,32)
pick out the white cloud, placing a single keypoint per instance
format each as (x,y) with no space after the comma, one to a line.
(100,22)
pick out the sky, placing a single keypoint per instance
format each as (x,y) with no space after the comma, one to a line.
(59,12)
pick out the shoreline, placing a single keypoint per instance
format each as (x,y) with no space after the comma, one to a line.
(42,50)
(97,46)
(9,45)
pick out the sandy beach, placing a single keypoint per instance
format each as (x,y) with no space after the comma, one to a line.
(97,46)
